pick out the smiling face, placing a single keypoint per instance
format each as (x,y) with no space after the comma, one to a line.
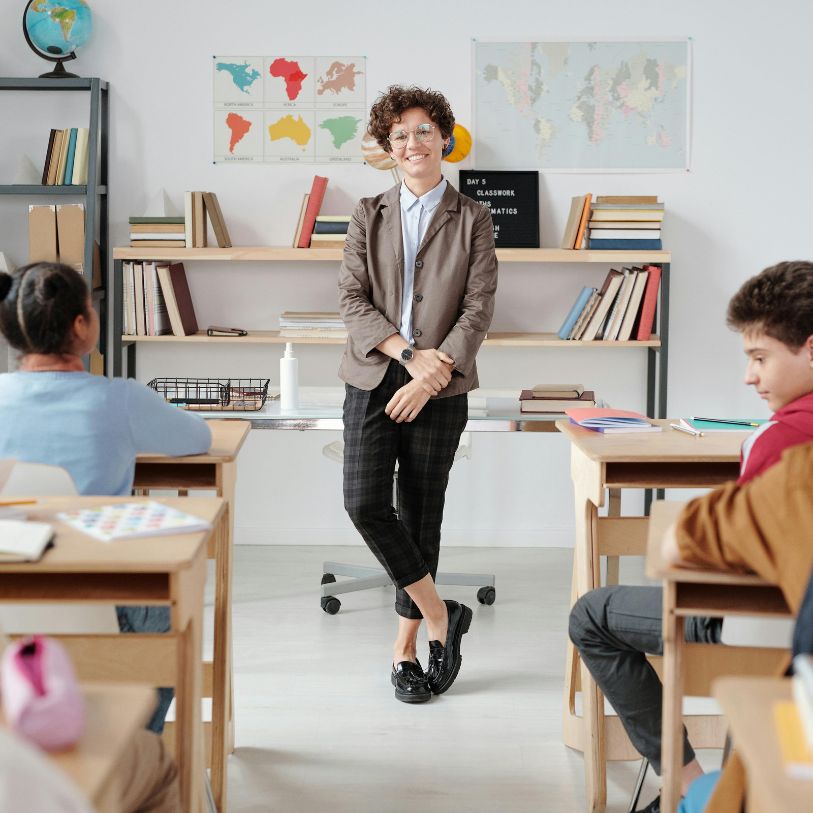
(419,161)
(778,373)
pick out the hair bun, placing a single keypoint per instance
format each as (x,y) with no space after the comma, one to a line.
(51,285)
(6,281)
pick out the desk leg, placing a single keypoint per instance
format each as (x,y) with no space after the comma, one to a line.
(222,662)
(613,510)
(672,724)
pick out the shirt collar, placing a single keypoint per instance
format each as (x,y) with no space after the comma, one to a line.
(429,201)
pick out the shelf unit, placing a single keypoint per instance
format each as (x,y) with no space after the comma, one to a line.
(93,194)
(657,347)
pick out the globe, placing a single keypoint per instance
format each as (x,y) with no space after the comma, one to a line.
(55,30)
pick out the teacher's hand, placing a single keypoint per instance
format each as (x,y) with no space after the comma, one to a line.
(407,402)
(432,369)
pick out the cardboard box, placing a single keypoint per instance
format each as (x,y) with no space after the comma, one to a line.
(42,243)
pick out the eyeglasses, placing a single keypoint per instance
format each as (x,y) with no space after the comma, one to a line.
(423,133)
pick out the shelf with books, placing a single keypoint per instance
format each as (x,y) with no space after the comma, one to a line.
(40,189)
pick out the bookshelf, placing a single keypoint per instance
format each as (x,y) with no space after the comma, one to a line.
(93,194)
(657,347)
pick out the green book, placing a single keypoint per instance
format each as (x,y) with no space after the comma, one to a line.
(157,219)
(725,425)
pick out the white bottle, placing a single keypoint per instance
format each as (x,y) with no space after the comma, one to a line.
(288,380)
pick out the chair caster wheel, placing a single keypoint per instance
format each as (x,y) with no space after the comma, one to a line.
(328,578)
(331,605)
(486,595)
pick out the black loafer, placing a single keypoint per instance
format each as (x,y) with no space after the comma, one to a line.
(444,661)
(410,683)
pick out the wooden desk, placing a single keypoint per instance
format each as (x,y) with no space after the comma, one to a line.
(214,471)
(151,570)
(688,592)
(114,713)
(600,463)
(748,704)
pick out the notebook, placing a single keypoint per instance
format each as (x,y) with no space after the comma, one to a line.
(129,520)
(611,421)
(23,541)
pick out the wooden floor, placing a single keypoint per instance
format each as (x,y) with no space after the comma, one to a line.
(318,728)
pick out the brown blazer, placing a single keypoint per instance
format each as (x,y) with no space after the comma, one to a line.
(453,295)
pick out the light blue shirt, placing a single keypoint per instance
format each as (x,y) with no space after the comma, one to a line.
(92,426)
(416,215)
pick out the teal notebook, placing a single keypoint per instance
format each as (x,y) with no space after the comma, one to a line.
(70,157)
(722,425)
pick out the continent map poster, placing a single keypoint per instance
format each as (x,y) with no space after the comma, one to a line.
(582,106)
(289,109)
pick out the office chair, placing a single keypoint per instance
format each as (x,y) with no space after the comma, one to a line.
(366,578)
(18,479)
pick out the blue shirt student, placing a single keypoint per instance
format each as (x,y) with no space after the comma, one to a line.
(92,426)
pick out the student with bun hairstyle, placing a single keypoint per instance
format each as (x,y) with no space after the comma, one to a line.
(53,411)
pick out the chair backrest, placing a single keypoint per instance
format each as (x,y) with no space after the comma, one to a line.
(803,634)
(37,480)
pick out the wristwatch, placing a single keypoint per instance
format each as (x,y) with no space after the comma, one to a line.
(406,355)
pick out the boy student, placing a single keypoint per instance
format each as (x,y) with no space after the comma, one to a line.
(614,628)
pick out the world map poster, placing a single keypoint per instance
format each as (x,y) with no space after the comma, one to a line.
(289,109)
(582,105)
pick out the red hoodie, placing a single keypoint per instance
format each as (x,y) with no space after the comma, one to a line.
(789,426)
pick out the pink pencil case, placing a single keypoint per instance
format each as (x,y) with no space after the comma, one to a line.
(40,695)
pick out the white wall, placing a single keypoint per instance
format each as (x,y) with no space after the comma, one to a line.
(742,206)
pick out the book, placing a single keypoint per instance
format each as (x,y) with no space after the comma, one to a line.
(158,318)
(300,219)
(330,227)
(138,287)
(130,520)
(42,245)
(128,298)
(56,147)
(583,222)
(574,219)
(655,205)
(328,243)
(149,297)
(528,402)
(626,215)
(22,541)
(611,421)
(639,225)
(175,288)
(70,156)
(326,238)
(619,306)
(723,425)
(80,160)
(188,219)
(158,243)
(213,210)
(608,292)
(48,157)
(199,237)
(163,228)
(584,316)
(796,753)
(333,218)
(157,235)
(625,331)
(625,245)
(627,199)
(150,220)
(62,158)
(317,195)
(575,310)
(649,303)
(626,234)
(557,390)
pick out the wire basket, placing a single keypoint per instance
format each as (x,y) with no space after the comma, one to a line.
(213,394)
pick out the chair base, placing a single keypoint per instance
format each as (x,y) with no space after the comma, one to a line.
(362,577)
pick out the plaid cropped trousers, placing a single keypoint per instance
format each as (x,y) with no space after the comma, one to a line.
(407,544)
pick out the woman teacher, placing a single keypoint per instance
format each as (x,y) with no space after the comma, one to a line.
(416,292)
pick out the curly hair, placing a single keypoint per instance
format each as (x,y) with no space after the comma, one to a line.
(38,305)
(389,106)
(778,302)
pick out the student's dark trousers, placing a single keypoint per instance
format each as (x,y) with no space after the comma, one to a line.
(614,628)
(406,545)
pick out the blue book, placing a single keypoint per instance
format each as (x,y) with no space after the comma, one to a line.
(573,314)
(330,227)
(633,245)
(70,156)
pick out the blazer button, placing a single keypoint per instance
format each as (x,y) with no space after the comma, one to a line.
(418,263)
(417,333)
(418,297)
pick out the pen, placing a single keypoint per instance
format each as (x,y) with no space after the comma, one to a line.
(723,420)
(680,428)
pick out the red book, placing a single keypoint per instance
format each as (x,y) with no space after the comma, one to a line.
(649,303)
(314,205)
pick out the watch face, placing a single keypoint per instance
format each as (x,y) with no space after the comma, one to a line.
(406,354)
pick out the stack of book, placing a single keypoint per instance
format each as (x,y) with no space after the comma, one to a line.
(556,398)
(330,231)
(158,232)
(630,222)
(188,231)
(623,309)
(311,325)
(66,160)
(157,300)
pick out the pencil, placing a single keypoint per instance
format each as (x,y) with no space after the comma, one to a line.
(4,504)
(723,420)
